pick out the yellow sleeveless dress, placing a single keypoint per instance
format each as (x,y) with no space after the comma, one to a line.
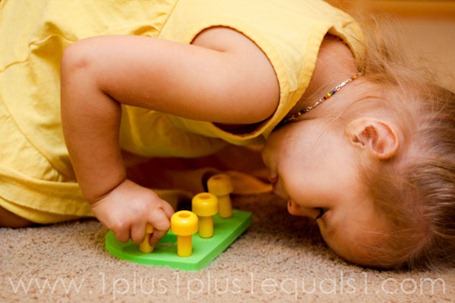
(36,177)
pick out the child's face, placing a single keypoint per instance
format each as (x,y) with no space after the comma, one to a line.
(314,166)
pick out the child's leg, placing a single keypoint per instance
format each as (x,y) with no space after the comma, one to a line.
(192,174)
(8,219)
(171,173)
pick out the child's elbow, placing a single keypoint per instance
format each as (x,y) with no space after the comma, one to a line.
(77,59)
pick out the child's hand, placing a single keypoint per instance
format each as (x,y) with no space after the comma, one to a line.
(128,208)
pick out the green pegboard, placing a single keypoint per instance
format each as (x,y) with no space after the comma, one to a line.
(226,231)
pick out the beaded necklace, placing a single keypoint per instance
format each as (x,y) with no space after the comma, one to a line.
(327,96)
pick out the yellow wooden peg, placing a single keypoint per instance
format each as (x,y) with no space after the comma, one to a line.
(145,246)
(184,224)
(205,206)
(221,186)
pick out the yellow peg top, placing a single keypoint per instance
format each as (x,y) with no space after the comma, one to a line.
(205,204)
(220,184)
(184,223)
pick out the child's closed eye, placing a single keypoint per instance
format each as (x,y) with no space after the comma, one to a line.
(322,211)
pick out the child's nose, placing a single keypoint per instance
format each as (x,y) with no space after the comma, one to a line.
(297,210)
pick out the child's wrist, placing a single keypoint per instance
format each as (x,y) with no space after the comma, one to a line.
(96,192)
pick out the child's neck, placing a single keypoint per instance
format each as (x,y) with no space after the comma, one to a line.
(334,65)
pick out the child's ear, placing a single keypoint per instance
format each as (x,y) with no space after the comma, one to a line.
(376,136)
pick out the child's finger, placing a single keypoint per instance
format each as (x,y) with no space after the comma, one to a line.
(160,219)
(167,209)
(156,236)
(161,224)
(138,232)
(123,234)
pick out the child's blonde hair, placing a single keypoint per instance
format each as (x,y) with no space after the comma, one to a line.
(416,190)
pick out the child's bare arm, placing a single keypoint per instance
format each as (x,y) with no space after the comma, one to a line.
(226,80)
(234,85)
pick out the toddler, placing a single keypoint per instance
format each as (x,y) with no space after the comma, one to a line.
(351,137)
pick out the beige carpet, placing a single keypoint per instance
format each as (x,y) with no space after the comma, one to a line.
(279,259)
